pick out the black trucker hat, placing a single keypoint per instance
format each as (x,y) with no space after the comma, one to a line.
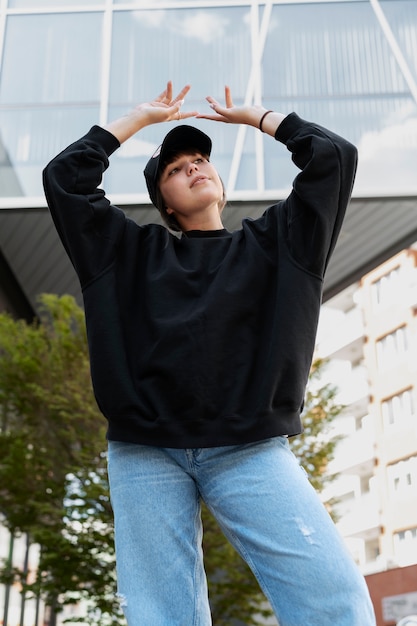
(177,140)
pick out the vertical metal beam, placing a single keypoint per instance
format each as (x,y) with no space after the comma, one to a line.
(106,44)
(395,48)
(252,93)
(3,4)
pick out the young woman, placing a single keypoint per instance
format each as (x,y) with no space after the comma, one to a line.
(200,349)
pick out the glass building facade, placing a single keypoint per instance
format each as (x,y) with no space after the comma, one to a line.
(349,65)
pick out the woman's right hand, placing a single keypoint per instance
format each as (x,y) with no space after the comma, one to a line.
(164,108)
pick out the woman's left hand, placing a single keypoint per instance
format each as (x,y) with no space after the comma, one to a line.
(232,114)
(250,115)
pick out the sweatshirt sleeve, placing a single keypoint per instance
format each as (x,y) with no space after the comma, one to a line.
(90,228)
(321,192)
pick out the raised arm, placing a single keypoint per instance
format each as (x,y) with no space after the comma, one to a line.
(88,225)
(315,209)
(321,191)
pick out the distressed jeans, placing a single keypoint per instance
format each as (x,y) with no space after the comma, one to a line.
(266,507)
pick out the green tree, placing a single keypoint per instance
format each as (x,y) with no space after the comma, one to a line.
(52,467)
(53,481)
(315,447)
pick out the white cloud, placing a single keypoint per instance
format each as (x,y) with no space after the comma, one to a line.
(388,159)
(403,135)
(136,147)
(204,26)
(151,18)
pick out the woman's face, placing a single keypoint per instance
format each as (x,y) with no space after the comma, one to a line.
(189,185)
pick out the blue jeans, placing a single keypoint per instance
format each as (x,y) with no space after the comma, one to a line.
(265,505)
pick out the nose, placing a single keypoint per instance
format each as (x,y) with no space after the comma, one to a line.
(192,167)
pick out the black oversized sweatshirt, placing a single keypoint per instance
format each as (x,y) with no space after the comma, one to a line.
(204,340)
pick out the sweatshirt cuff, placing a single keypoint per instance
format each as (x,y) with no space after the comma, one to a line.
(289,125)
(106,140)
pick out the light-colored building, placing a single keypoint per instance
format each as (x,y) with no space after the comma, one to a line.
(369,334)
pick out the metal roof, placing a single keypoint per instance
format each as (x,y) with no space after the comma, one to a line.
(374,229)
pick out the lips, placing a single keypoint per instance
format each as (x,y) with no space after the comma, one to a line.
(198,179)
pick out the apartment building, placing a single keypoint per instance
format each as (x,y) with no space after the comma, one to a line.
(368,332)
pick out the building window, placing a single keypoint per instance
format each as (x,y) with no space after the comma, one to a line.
(405,546)
(48,96)
(372,551)
(407,535)
(392,347)
(399,409)
(344,504)
(385,289)
(402,478)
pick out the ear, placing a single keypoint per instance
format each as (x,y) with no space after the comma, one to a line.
(169,211)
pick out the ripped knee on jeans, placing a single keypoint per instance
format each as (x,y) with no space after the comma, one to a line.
(122,600)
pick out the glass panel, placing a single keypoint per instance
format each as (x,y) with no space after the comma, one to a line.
(402,18)
(30,137)
(340,72)
(332,52)
(47,97)
(206,48)
(51,58)
(246,178)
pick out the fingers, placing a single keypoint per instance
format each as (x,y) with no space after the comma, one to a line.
(182,94)
(187,114)
(177,103)
(216,106)
(173,105)
(219,111)
(213,118)
(228,97)
(164,95)
(168,95)
(174,112)
(166,99)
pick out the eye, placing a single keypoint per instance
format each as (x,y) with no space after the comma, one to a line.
(174,170)
(198,160)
